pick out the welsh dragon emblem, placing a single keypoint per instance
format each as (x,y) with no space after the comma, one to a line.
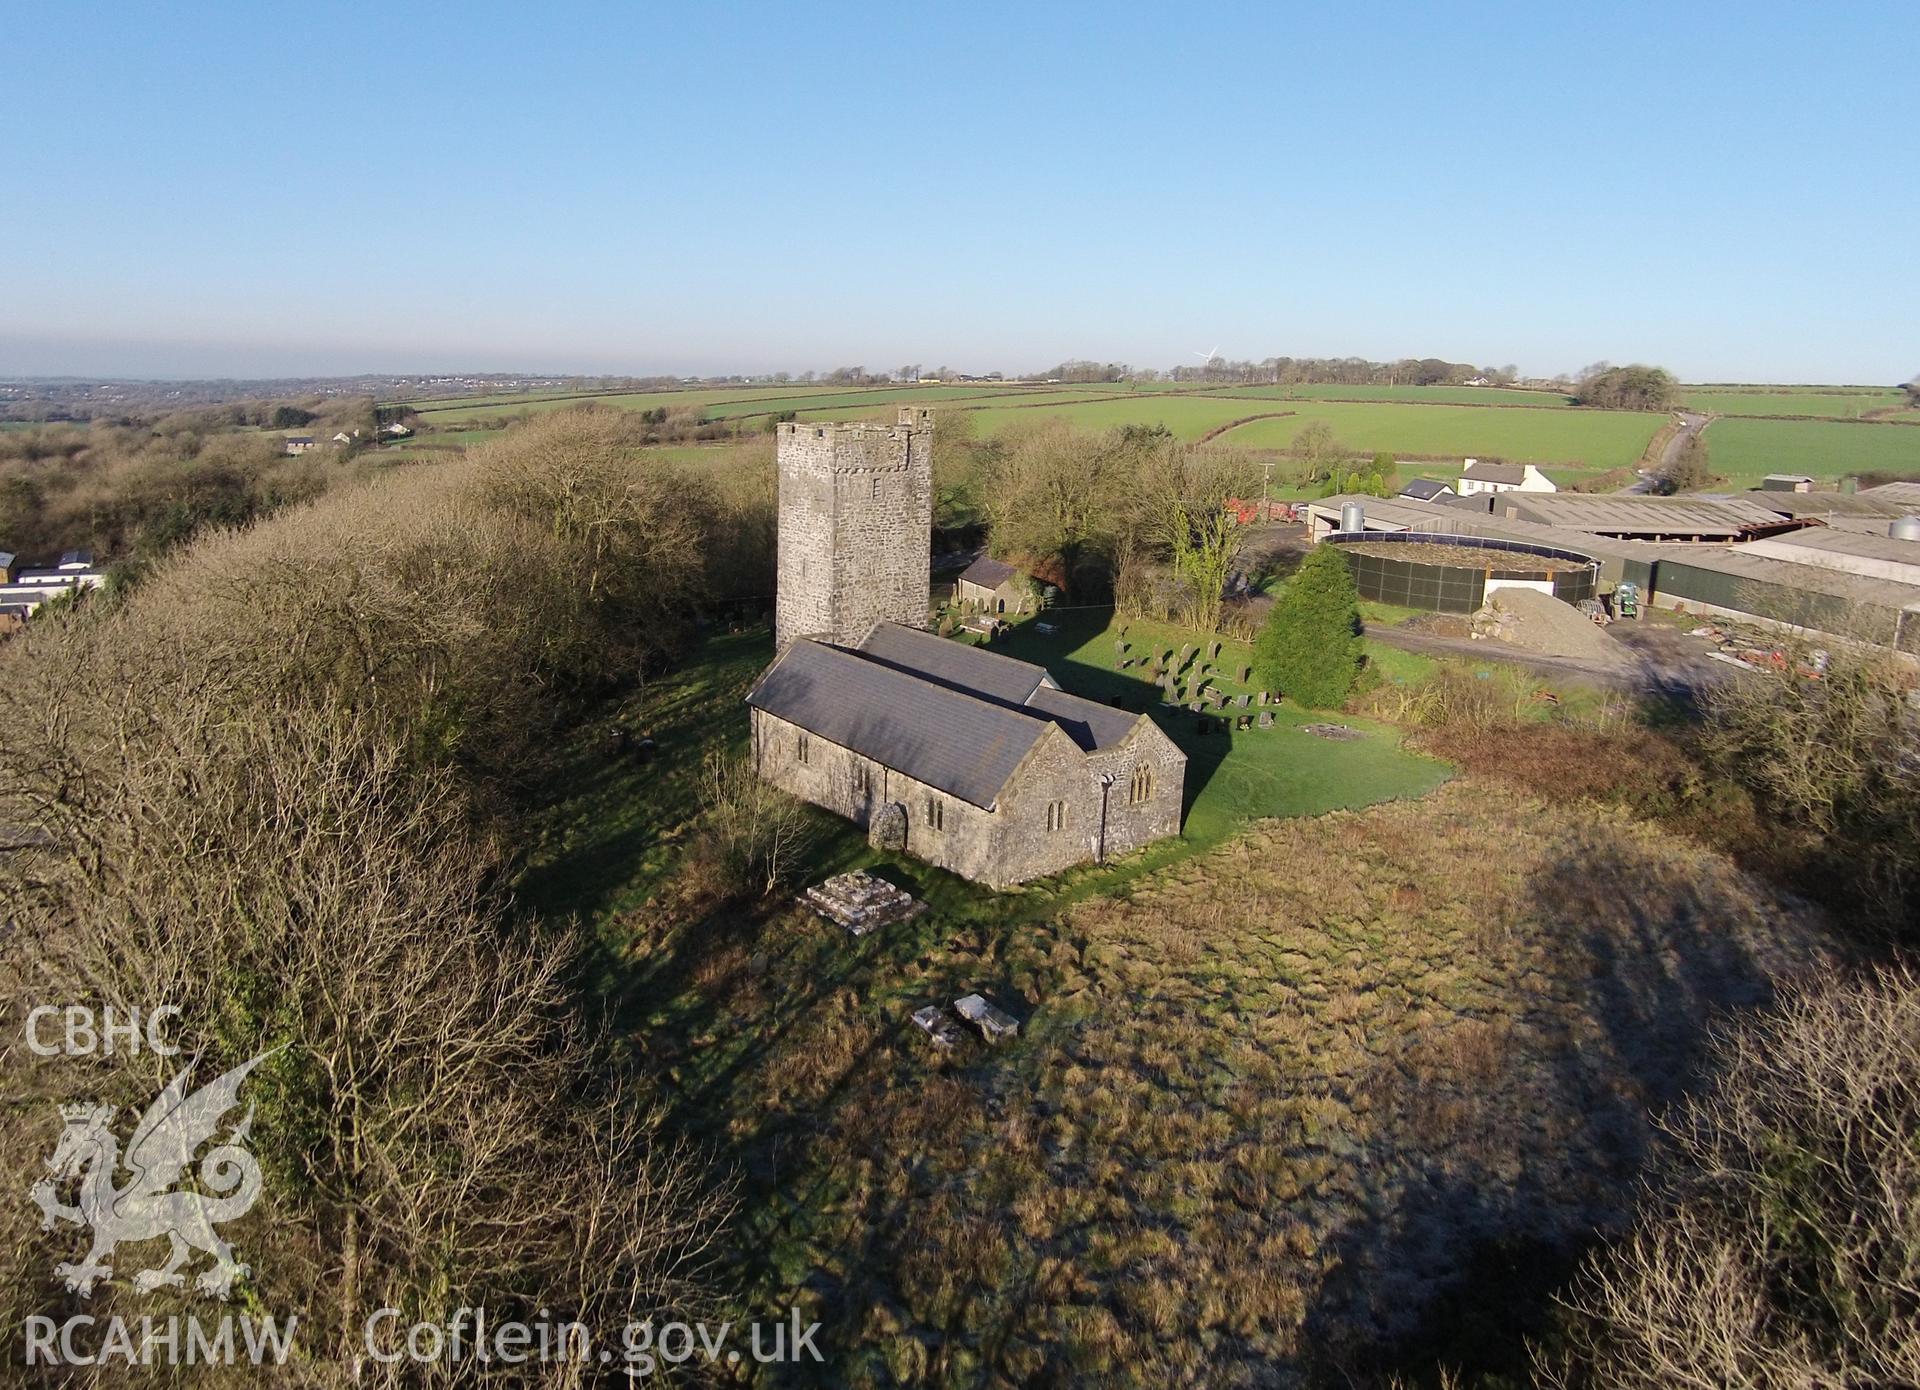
(150,1204)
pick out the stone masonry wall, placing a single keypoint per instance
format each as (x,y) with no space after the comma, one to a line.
(964,842)
(1057,770)
(1012,843)
(855,529)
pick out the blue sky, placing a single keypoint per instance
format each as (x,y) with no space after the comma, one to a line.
(249,189)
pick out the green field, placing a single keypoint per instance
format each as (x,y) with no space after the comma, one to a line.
(1844,402)
(1414,395)
(719,402)
(1744,451)
(1578,438)
(1444,423)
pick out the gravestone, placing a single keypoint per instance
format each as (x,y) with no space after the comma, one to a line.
(1194,707)
(888,828)
(1244,701)
(1246,674)
(1266,719)
(1214,652)
(1263,697)
(1244,722)
(994,1023)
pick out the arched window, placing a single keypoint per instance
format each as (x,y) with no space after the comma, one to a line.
(1140,790)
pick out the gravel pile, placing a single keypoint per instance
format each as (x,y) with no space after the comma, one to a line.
(1537,622)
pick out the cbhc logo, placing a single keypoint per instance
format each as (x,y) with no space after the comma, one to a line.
(80,1032)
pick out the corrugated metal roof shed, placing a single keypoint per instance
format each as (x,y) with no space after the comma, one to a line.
(1743,563)
(1874,545)
(1872,502)
(1645,516)
(1905,495)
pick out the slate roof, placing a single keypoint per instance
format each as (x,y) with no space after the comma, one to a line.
(1425,489)
(1496,472)
(1091,724)
(988,574)
(953,664)
(959,743)
(952,716)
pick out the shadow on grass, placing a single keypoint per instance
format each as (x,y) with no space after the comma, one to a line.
(1493,1221)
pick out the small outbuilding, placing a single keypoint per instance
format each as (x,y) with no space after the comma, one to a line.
(1786,482)
(993,586)
(1427,490)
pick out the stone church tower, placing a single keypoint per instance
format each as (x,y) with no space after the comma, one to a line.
(856,527)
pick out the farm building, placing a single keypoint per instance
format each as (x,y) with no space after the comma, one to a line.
(1786,482)
(1903,495)
(1882,504)
(1886,555)
(1685,518)
(299,443)
(1816,582)
(22,591)
(1426,490)
(970,760)
(1502,477)
(993,586)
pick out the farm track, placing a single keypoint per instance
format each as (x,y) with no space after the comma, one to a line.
(1654,661)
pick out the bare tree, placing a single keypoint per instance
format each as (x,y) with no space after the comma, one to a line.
(1784,1247)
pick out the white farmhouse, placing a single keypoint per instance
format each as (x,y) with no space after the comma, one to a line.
(1503,477)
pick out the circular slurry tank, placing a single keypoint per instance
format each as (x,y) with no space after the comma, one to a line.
(1453,574)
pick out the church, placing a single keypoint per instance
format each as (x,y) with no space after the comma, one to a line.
(970,760)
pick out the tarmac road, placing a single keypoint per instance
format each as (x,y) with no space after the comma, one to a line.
(1690,425)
